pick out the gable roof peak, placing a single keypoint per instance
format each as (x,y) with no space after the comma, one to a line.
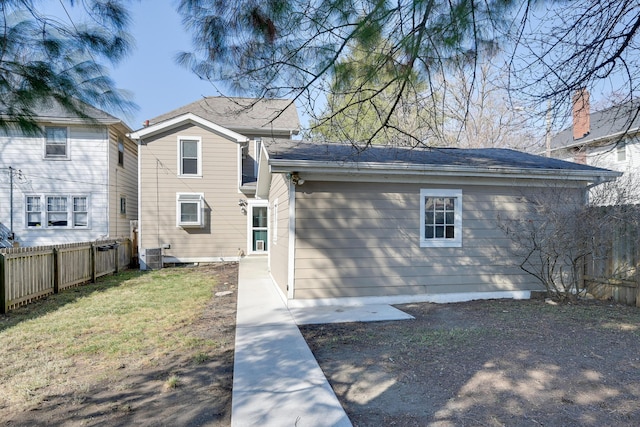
(241,114)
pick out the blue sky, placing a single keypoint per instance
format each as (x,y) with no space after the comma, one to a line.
(157,83)
(150,73)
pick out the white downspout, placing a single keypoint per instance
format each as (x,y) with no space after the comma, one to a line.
(292,242)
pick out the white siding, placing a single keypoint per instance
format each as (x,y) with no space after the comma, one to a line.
(606,156)
(84,173)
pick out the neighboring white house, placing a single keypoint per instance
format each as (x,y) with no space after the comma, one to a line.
(74,181)
(608,139)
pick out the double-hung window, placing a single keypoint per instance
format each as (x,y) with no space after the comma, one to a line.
(120,152)
(34,211)
(57,211)
(440,218)
(190,157)
(56,143)
(189,210)
(80,211)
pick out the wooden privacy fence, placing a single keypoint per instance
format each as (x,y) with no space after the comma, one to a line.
(29,273)
(615,274)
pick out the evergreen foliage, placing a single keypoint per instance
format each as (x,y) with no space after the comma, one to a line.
(46,59)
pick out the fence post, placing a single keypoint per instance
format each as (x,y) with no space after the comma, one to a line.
(56,271)
(93,263)
(3,290)
(116,257)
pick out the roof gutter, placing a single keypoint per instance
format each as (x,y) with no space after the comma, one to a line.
(349,168)
(600,139)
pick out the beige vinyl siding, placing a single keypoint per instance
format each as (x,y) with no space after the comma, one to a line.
(362,239)
(225,226)
(279,251)
(123,182)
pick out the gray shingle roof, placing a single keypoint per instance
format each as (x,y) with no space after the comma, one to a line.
(241,114)
(611,121)
(53,111)
(482,158)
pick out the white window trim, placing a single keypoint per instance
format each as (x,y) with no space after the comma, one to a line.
(253,203)
(456,242)
(179,156)
(67,155)
(70,212)
(199,223)
(26,212)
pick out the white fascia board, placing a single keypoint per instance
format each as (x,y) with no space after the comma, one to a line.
(180,120)
(607,138)
(373,169)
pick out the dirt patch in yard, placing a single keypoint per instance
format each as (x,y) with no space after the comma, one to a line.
(487,363)
(186,389)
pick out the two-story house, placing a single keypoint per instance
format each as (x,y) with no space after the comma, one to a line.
(74,180)
(198,166)
(221,178)
(609,138)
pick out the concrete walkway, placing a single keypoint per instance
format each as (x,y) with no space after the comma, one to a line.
(276,379)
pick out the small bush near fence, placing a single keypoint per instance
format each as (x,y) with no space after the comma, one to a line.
(27,274)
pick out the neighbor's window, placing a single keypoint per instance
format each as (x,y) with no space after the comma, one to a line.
(34,211)
(57,211)
(55,146)
(123,205)
(60,211)
(120,152)
(190,157)
(440,218)
(80,211)
(189,210)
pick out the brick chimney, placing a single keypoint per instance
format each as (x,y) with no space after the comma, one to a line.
(581,114)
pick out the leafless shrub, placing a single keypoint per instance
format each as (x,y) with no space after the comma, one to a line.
(560,231)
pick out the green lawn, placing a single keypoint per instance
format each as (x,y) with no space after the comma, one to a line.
(132,318)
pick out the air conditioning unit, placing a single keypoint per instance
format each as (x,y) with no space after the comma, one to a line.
(154,258)
(259,245)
